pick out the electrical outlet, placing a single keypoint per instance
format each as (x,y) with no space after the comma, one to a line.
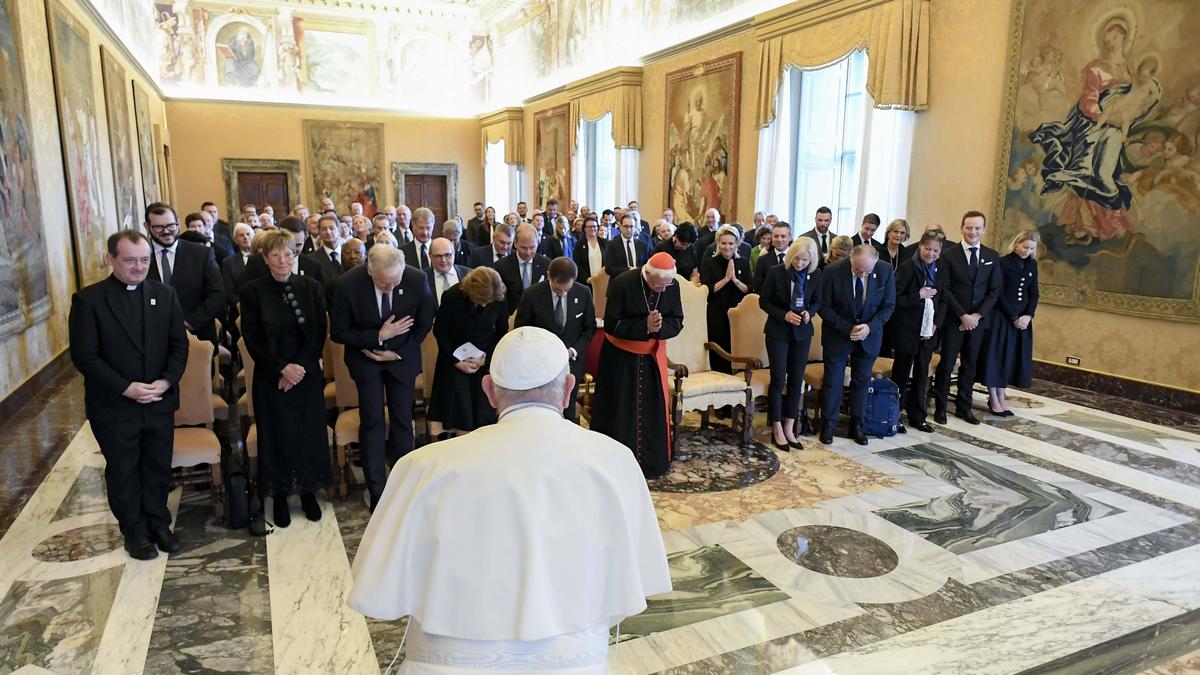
(1072,360)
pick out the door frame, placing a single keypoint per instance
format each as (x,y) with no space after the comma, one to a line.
(450,171)
(232,166)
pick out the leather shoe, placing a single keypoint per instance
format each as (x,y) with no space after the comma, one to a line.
(827,436)
(375,501)
(1009,413)
(312,510)
(858,434)
(900,429)
(806,427)
(966,416)
(923,426)
(939,416)
(166,540)
(140,549)
(283,515)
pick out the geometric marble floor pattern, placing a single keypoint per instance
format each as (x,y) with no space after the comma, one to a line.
(1065,539)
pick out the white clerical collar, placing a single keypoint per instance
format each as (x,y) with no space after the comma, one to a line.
(530,408)
(131,287)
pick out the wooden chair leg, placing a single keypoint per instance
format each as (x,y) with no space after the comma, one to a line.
(676,421)
(747,415)
(342,489)
(704,417)
(218,491)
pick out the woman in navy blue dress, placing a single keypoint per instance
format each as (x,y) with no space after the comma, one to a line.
(1008,360)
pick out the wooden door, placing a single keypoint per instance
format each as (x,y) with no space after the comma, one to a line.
(264,187)
(427,191)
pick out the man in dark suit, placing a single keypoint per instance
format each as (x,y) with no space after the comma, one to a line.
(636,209)
(219,226)
(707,232)
(681,247)
(452,230)
(303,265)
(328,253)
(564,308)
(477,231)
(128,340)
(443,273)
(866,231)
(973,286)
(416,252)
(781,239)
(859,294)
(821,234)
(624,252)
(523,269)
(548,217)
(381,313)
(490,256)
(920,309)
(190,268)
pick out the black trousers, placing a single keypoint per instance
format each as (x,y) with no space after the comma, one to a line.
(861,362)
(965,346)
(912,391)
(578,369)
(137,472)
(788,359)
(374,385)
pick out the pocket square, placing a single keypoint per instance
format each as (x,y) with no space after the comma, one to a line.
(579,315)
(989,262)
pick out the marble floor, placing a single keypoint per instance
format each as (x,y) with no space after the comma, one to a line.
(1065,539)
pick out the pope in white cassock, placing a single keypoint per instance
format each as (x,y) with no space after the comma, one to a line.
(515,547)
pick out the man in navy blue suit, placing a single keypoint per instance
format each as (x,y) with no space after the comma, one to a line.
(860,294)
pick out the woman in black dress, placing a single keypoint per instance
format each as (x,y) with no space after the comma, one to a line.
(728,278)
(283,325)
(791,296)
(475,311)
(1008,360)
(893,252)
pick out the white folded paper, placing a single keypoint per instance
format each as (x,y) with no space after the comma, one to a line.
(468,351)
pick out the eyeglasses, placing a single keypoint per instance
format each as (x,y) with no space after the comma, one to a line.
(165,227)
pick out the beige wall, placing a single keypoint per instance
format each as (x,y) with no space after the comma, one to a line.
(23,354)
(206,132)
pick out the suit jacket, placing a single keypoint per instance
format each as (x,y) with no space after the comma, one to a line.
(775,299)
(462,272)
(814,235)
(556,248)
(580,256)
(482,256)
(905,326)
(355,320)
(222,247)
(839,313)
(615,259)
(903,254)
(198,287)
(231,276)
(462,254)
(762,267)
(510,273)
(477,232)
(223,227)
(537,309)
(858,240)
(967,293)
(108,353)
(309,246)
(329,270)
(412,258)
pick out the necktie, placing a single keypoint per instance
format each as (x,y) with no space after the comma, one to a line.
(974,260)
(442,288)
(560,311)
(629,254)
(824,246)
(524,275)
(385,307)
(778,258)
(858,293)
(424,259)
(166,267)
(333,256)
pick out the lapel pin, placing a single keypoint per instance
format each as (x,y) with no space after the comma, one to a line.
(401,291)
(153,301)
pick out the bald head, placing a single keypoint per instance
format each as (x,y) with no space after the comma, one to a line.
(526,242)
(441,254)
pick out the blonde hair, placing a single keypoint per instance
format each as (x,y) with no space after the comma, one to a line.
(840,241)
(732,231)
(897,224)
(803,244)
(269,241)
(483,286)
(1026,235)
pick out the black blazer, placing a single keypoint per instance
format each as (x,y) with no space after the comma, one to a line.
(967,294)
(858,241)
(903,254)
(553,247)
(483,256)
(615,260)
(231,276)
(355,321)
(537,309)
(222,247)
(775,299)
(461,270)
(265,321)
(105,349)
(197,282)
(329,270)
(685,259)
(766,261)
(411,258)
(580,256)
(905,326)
(838,311)
(477,232)
(510,273)
(462,254)
(1019,295)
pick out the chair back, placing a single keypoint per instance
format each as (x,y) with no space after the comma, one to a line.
(687,348)
(345,392)
(815,352)
(599,284)
(248,369)
(429,354)
(195,387)
(746,322)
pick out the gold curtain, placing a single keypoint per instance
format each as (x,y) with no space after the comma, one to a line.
(618,91)
(895,34)
(507,125)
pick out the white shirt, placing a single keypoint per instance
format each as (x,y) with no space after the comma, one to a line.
(158,249)
(967,251)
(442,281)
(627,248)
(595,258)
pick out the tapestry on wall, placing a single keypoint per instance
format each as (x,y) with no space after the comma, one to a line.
(345,160)
(702,144)
(24,276)
(553,143)
(141,117)
(120,139)
(72,62)
(1099,152)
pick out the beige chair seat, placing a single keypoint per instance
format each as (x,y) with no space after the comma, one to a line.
(709,383)
(760,380)
(243,405)
(220,408)
(223,356)
(195,445)
(330,395)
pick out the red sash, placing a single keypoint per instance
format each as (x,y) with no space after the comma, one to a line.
(658,350)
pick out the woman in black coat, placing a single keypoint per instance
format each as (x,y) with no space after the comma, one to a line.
(283,326)
(1008,359)
(893,252)
(791,296)
(920,306)
(589,248)
(728,278)
(475,311)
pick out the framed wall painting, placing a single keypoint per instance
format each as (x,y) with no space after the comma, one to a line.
(701,150)
(71,60)
(1099,153)
(24,273)
(151,188)
(552,179)
(120,139)
(345,161)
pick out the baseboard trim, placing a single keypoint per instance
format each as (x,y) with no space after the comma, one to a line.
(25,391)
(1133,390)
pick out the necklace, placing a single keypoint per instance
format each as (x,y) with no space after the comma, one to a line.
(646,297)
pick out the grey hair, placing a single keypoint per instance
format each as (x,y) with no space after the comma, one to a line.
(865,249)
(384,258)
(451,224)
(550,393)
(422,215)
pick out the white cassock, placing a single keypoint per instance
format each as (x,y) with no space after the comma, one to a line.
(514,548)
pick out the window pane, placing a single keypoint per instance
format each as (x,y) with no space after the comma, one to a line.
(495,178)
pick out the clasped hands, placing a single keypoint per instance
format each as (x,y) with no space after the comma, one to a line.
(797,319)
(470,366)
(654,321)
(860,332)
(968,322)
(290,376)
(144,392)
(1022,322)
